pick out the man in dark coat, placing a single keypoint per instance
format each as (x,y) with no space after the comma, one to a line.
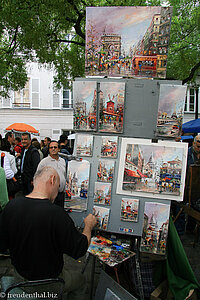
(29,163)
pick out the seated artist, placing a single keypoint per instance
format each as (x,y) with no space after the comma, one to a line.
(38,233)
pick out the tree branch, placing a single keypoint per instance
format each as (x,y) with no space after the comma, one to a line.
(191,73)
(69,41)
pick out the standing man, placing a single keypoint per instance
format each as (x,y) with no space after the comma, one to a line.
(45,150)
(194,152)
(29,163)
(53,160)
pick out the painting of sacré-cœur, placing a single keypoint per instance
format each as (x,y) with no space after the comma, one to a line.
(105,170)
(170,110)
(111,107)
(152,169)
(85,97)
(155,228)
(127,41)
(77,185)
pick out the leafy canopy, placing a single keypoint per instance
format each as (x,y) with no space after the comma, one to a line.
(38,30)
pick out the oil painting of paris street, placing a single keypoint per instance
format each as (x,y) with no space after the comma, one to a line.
(152,168)
(171,110)
(111,107)
(127,41)
(84,144)
(155,228)
(85,97)
(109,146)
(77,185)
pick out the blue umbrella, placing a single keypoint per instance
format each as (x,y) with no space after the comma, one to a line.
(191,126)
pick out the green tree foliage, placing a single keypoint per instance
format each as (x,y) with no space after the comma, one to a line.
(39,30)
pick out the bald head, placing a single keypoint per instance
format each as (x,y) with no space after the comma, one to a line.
(47,181)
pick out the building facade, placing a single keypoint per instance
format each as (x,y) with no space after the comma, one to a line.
(48,110)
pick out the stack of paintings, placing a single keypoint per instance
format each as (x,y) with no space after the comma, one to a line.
(155,228)
(77,185)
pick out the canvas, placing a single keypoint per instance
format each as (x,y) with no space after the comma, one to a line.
(85,97)
(109,146)
(77,185)
(111,107)
(129,209)
(127,41)
(102,216)
(170,110)
(155,228)
(84,144)
(105,170)
(155,170)
(102,193)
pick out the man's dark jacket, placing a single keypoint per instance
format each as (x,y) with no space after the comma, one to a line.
(31,161)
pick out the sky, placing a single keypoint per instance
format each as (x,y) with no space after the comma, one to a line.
(159,210)
(81,167)
(129,22)
(172,97)
(161,153)
(84,91)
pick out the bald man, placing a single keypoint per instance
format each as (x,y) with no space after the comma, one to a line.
(38,233)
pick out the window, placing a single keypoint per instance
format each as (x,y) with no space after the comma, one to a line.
(67,98)
(22,97)
(35,93)
(56,99)
(190,100)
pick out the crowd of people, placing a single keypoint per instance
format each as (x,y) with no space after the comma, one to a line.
(35,229)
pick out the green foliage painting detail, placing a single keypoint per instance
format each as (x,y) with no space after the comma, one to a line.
(35,30)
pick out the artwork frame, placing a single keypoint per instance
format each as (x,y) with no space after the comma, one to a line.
(85,102)
(174,191)
(87,149)
(102,193)
(117,46)
(129,209)
(77,185)
(109,146)
(111,107)
(105,171)
(155,228)
(170,110)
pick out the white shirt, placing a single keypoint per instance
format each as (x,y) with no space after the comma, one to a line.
(7,167)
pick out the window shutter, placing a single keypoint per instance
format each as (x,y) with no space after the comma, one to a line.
(35,93)
(56,100)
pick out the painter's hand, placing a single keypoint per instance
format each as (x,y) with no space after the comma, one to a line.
(90,221)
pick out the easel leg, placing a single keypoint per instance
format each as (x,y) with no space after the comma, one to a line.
(138,271)
(116,274)
(92,276)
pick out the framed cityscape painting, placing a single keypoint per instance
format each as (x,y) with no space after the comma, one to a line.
(155,170)
(102,216)
(109,146)
(77,185)
(105,170)
(131,42)
(129,209)
(155,228)
(102,193)
(85,97)
(84,144)
(111,107)
(170,110)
